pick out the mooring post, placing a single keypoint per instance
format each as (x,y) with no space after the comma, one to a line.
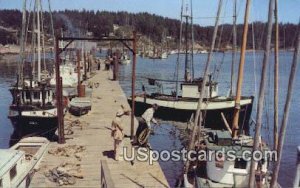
(84,64)
(61,114)
(59,102)
(133,86)
(78,74)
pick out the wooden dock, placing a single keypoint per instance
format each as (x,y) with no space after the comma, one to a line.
(96,164)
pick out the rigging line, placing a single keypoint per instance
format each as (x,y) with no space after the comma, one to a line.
(51,19)
(43,34)
(211,17)
(33,40)
(254,66)
(217,68)
(28,23)
(22,49)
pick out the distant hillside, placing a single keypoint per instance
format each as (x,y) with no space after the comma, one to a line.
(153,26)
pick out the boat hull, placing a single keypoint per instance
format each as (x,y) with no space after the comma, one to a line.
(182,111)
(34,125)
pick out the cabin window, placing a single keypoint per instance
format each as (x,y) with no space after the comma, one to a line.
(36,95)
(240,163)
(28,95)
(13,172)
(219,160)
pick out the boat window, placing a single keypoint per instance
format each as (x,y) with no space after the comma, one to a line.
(36,95)
(28,95)
(240,163)
(13,172)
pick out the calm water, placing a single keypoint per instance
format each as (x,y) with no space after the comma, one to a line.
(166,135)
(164,69)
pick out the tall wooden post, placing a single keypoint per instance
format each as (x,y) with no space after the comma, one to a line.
(237,107)
(276,75)
(59,98)
(84,64)
(233,47)
(261,97)
(133,86)
(78,73)
(286,110)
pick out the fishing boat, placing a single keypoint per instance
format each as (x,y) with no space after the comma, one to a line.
(68,71)
(223,170)
(164,55)
(18,164)
(233,161)
(33,110)
(182,108)
(182,103)
(125,59)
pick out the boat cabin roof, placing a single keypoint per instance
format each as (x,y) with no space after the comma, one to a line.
(8,158)
(222,140)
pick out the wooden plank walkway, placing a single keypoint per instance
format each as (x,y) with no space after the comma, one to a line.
(96,138)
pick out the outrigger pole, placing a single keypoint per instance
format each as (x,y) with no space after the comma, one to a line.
(235,124)
(286,110)
(198,117)
(276,76)
(261,94)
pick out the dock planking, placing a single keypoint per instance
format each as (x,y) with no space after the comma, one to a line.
(95,136)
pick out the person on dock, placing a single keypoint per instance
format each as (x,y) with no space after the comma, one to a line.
(144,128)
(117,133)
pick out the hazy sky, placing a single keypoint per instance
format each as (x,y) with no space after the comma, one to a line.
(288,9)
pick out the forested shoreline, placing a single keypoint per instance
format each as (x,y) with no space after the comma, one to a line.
(154,27)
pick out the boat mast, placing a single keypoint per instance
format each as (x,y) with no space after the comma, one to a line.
(276,75)
(198,116)
(178,54)
(22,49)
(261,93)
(38,41)
(235,125)
(192,47)
(286,110)
(233,47)
(187,76)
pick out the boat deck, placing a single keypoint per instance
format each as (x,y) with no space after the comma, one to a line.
(94,135)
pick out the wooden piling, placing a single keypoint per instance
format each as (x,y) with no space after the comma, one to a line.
(59,98)
(133,86)
(78,74)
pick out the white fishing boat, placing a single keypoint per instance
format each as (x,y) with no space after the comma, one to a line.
(18,164)
(125,59)
(223,170)
(164,55)
(69,74)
